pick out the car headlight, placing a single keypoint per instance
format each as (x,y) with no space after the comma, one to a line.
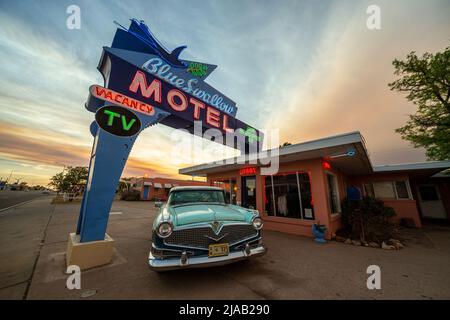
(257,223)
(164,230)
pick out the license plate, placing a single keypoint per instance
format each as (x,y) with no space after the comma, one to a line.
(220,249)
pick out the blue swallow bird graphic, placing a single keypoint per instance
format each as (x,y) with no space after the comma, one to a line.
(141,31)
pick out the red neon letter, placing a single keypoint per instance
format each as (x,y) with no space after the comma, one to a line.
(197,106)
(225,124)
(212,117)
(100,91)
(118,97)
(170,98)
(140,81)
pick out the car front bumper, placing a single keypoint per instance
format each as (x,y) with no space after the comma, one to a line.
(204,261)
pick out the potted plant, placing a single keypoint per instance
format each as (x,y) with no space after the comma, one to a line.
(319,231)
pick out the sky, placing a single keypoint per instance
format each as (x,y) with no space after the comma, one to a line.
(307,68)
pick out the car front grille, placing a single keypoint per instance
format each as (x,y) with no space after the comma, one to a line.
(204,236)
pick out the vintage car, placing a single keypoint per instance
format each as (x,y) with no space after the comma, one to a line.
(197,228)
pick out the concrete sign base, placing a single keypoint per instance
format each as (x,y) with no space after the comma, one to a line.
(90,254)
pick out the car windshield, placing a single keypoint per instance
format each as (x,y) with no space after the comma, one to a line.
(190,196)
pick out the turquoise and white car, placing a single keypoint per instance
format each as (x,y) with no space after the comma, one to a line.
(197,228)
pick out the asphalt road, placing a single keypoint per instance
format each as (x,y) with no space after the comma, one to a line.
(9,198)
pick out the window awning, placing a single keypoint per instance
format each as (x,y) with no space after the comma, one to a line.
(157,185)
(147,183)
(167,185)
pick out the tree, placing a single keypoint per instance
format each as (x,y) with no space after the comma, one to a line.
(76,176)
(70,181)
(23,185)
(58,182)
(426,79)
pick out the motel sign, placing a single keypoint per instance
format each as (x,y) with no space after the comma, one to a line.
(144,84)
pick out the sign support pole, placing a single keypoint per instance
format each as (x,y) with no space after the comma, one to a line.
(91,246)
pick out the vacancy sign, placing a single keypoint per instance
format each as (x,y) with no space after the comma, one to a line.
(122,100)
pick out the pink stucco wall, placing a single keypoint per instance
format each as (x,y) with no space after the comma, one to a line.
(403,208)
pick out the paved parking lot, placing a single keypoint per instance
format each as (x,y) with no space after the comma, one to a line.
(33,238)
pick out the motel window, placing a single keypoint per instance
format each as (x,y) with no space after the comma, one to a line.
(384,190)
(428,193)
(402,190)
(289,195)
(388,189)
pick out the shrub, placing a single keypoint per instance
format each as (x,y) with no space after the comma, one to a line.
(367,219)
(132,195)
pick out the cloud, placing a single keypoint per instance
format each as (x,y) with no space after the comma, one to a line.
(347,90)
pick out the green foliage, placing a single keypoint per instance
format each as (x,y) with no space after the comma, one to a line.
(69,180)
(367,219)
(426,80)
(122,186)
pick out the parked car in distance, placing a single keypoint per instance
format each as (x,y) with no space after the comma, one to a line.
(197,228)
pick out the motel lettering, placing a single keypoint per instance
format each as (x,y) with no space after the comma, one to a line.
(179,102)
(157,67)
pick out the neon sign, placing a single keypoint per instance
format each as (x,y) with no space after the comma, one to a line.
(178,102)
(191,85)
(326,165)
(140,30)
(247,171)
(350,153)
(145,84)
(118,121)
(251,134)
(169,67)
(121,100)
(197,69)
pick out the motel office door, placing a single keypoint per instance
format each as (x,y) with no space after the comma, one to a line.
(146,192)
(249,192)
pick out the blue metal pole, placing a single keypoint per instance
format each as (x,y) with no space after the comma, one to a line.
(108,158)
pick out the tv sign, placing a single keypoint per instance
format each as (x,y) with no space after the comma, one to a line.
(118,121)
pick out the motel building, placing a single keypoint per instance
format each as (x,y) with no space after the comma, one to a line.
(158,188)
(314,177)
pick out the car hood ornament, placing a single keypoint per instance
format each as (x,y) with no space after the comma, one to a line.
(216,226)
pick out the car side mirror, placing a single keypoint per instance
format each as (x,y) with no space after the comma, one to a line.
(158,204)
